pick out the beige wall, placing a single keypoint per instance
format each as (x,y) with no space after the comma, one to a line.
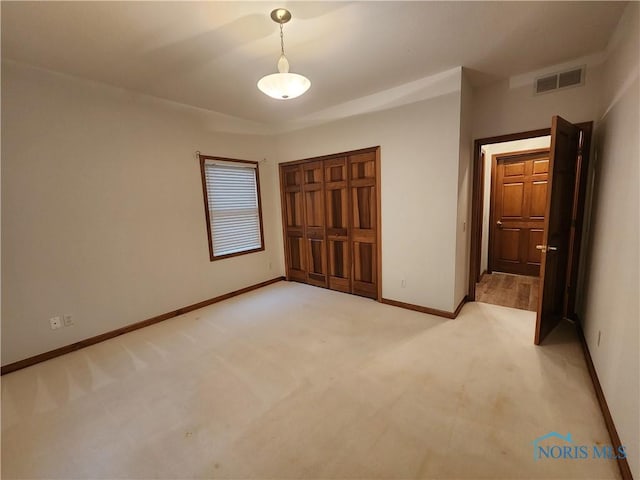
(609,304)
(102,209)
(419,161)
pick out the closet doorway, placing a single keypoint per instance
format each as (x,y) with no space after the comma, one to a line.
(331,221)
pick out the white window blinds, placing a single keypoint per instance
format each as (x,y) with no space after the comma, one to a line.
(234,214)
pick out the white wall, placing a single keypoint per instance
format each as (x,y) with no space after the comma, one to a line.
(495,149)
(419,162)
(102,209)
(609,305)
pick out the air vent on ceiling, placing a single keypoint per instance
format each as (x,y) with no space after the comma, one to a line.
(560,80)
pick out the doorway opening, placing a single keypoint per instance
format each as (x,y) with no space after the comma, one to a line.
(514,192)
(529,229)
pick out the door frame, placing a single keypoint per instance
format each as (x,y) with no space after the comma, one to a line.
(495,158)
(476,205)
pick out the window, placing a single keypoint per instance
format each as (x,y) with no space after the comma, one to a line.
(232,206)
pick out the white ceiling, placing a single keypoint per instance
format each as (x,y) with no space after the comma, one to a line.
(211,54)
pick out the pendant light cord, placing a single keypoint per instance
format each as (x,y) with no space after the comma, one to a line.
(281,40)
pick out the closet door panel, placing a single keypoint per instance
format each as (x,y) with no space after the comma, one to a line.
(293,219)
(314,209)
(294,212)
(339,264)
(316,274)
(337,211)
(335,170)
(363,166)
(313,188)
(296,257)
(365,268)
(365,279)
(364,218)
(337,202)
(291,176)
(337,196)
(292,196)
(363,204)
(314,218)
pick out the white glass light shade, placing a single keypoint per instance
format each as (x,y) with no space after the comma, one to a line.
(284,86)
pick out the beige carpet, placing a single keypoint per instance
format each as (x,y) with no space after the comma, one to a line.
(292,381)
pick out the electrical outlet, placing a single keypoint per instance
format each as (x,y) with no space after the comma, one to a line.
(55,323)
(67,320)
(599,335)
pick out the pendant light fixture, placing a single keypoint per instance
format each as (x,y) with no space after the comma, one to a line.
(283,85)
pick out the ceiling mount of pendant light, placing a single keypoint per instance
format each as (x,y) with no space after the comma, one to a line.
(283,85)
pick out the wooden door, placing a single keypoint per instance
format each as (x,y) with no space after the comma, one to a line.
(364,217)
(556,245)
(519,196)
(293,219)
(315,239)
(338,232)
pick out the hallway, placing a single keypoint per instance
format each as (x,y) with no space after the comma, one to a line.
(516,291)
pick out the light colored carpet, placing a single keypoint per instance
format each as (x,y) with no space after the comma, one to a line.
(293,381)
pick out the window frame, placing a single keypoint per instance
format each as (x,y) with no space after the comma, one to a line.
(203,159)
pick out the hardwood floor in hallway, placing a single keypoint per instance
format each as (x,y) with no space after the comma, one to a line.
(516,291)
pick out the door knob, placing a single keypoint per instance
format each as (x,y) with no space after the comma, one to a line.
(546,248)
(499,223)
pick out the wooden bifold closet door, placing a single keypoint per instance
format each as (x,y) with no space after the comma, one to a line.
(293,222)
(362,180)
(337,200)
(331,221)
(314,223)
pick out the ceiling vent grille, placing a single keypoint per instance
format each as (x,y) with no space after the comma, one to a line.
(546,84)
(560,80)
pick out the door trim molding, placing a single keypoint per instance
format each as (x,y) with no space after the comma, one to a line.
(623,463)
(27,362)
